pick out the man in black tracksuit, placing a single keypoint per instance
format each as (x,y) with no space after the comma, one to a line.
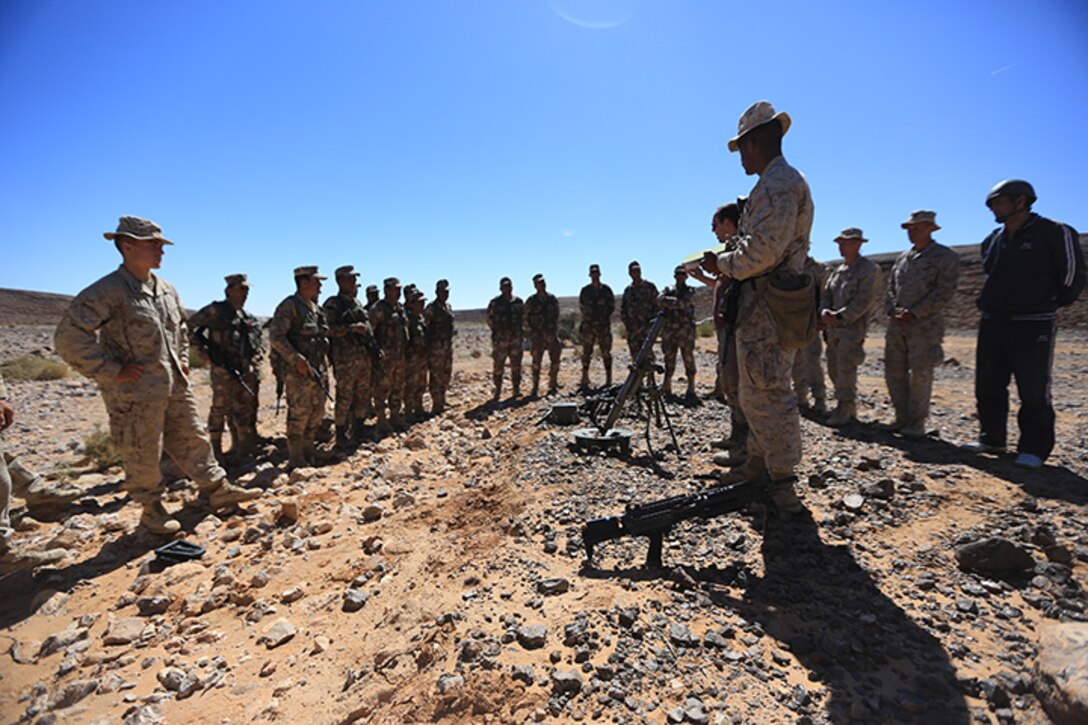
(1033,266)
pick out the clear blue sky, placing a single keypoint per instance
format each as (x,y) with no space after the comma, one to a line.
(472,139)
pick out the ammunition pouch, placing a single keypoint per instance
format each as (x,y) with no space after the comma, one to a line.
(791,299)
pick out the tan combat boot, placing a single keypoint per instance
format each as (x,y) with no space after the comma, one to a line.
(296,453)
(845,412)
(155,519)
(228,495)
(15,558)
(751,469)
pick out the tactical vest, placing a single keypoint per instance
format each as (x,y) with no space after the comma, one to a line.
(237,334)
(348,312)
(309,333)
(506,316)
(391,327)
(440,324)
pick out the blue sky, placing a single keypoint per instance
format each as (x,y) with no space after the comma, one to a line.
(474,139)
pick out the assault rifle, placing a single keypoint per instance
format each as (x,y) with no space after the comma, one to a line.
(318,379)
(654,520)
(219,359)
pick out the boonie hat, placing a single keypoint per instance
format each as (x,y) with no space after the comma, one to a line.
(134,227)
(851,233)
(759,113)
(346,271)
(308,272)
(233,279)
(921,217)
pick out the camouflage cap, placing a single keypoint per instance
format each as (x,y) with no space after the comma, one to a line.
(851,233)
(756,115)
(134,227)
(594,268)
(634,265)
(371,288)
(346,271)
(680,269)
(538,277)
(233,279)
(391,282)
(310,271)
(441,284)
(505,281)
(922,216)
(415,295)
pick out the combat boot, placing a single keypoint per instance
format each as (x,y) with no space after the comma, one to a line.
(914,432)
(438,403)
(516,380)
(343,437)
(498,390)
(751,469)
(898,424)
(585,377)
(819,405)
(691,389)
(383,428)
(296,453)
(399,423)
(732,456)
(15,557)
(155,519)
(845,412)
(666,384)
(246,445)
(784,497)
(553,381)
(536,384)
(608,373)
(227,495)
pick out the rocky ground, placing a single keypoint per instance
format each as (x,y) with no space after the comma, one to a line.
(438,575)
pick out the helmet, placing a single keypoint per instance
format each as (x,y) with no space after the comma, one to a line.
(1012,188)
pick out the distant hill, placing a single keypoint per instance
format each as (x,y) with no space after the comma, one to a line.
(20,307)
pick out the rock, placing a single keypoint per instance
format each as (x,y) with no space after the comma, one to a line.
(289,512)
(379,493)
(124,631)
(524,673)
(853,502)
(694,711)
(292,595)
(62,640)
(72,693)
(354,599)
(267,669)
(403,500)
(373,512)
(415,443)
(564,681)
(149,606)
(397,471)
(882,489)
(1060,678)
(321,644)
(146,715)
(449,683)
(994,555)
(681,636)
(550,587)
(170,678)
(278,633)
(532,636)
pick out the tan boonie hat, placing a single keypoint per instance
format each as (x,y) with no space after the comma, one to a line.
(346,271)
(759,113)
(233,279)
(308,272)
(851,233)
(134,227)
(922,216)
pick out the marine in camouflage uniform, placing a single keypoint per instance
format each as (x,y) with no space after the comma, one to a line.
(774,229)
(849,296)
(596,303)
(504,318)
(223,331)
(127,331)
(438,318)
(923,282)
(352,349)
(678,330)
(638,307)
(415,376)
(808,368)
(299,335)
(390,322)
(542,319)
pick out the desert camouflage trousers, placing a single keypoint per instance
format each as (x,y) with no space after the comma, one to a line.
(390,384)
(765,391)
(439,370)
(808,370)
(682,339)
(353,388)
(305,406)
(501,351)
(415,382)
(542,342)
(602,338)
(6,531)
(635,338)
(730,385)
(232,405)
(142,430)
(845,352)
(911,353)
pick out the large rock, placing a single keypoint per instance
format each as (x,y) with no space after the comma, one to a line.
(1061,672)
(280,632)
(124,631)
(994,555)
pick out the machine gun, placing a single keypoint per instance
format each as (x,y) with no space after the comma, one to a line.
(640,379)
(654,520)
(219,359)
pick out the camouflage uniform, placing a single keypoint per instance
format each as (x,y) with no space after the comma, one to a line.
(542,319)
(120,320)
(638,307)
(438,318)
(390,321)
(775,227)
(352,352)
(299,331)
(678,332)
(415,378)
(808,369)
(236,335)
(6,532)
(851,293)
(504,317)
(924,282)
(596,305)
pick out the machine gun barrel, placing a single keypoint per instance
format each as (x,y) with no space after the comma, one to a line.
(655,519)
(635,376)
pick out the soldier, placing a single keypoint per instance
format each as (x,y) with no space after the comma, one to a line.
(849,296)
(127,331)
(542,319)
(678,330)
(808,369)
(353,348)
(1033,266)
(596,303)
(638,307)
(774,226)
(13,556)
(438,318)
(372,296)
(415,375)
(504,318)
(923,282)
(299,335)
(390,322)
(230,339)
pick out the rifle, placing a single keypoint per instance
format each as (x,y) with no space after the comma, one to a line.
(318,380)
(655,519)
(219,359)
(730,303)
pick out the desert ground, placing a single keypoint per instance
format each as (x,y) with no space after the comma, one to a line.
(438,575)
